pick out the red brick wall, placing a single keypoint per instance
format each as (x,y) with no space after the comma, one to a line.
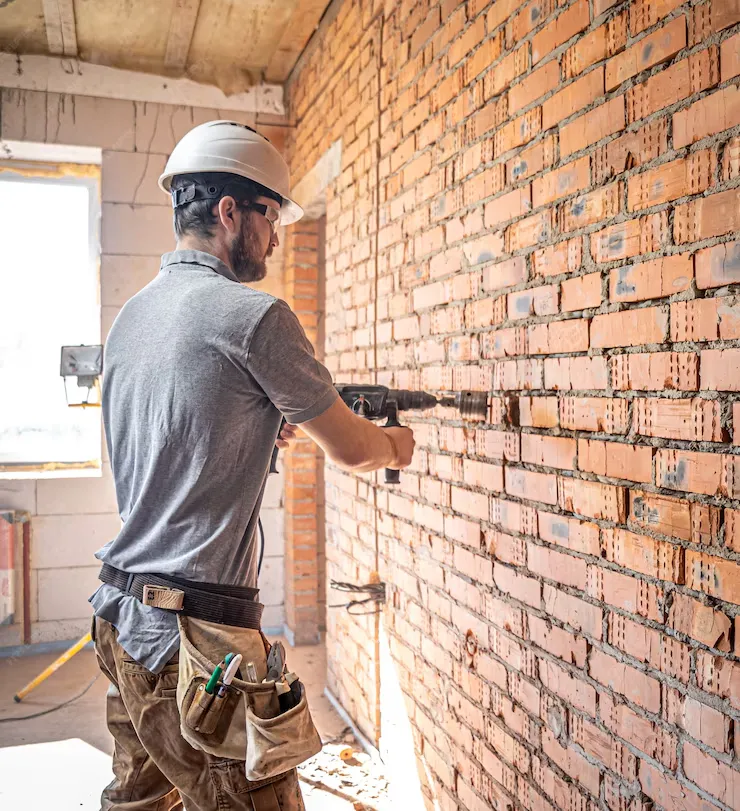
(304,462)
(539,200)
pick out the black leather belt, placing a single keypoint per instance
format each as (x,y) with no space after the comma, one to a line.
(226,605)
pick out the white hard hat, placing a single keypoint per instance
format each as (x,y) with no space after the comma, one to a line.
(227,146)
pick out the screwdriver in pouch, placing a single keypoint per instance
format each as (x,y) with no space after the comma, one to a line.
(233,666)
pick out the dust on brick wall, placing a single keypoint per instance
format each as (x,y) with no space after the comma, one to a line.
(540,200)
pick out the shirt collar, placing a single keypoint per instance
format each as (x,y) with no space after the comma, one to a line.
(191,258)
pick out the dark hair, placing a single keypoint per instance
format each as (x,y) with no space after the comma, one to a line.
(198,218)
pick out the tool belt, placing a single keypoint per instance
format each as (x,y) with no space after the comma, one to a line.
(242,720)
(226,605)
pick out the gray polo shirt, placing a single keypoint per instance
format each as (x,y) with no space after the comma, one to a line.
(198,371)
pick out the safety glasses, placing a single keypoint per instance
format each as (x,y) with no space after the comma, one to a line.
(272,215)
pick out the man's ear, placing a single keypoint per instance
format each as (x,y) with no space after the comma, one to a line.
(226,212)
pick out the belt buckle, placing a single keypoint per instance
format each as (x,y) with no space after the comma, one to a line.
(163,597)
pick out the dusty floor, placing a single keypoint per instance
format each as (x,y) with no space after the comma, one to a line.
(62,760)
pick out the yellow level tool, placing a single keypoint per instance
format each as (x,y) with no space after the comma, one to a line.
(53,667)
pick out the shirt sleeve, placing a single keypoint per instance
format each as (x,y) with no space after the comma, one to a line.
(281,359)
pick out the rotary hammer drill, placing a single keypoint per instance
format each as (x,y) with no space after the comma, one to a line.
(380,402)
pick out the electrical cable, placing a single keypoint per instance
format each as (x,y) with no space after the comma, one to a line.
(262,546)
(51,709)
(375,590)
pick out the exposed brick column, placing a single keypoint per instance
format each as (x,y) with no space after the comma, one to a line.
(304,463)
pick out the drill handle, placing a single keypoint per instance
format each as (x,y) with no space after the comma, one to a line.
(276,450)
(392,476)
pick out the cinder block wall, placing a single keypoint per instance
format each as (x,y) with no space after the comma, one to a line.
(72,518)
(539,200)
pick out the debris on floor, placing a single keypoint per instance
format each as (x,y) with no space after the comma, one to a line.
(344,769)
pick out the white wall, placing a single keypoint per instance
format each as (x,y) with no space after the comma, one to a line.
(74,517)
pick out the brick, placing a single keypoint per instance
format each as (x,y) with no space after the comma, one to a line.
(654,279)
(565,26)
(653,49)
(488,52)
(670,181)
(718,266)
(696,320)
(668,792)
(505,343)
(708,18)
(581,293)
(525,589)
(732,529)
(556,566)
(484,249)
(532,486)
(482,474)
(497,444)
(706,724)
(573,374)
(729,57)
(643,235)
(568,687)
(675,517)
(549,451)
(558,337)
(507,207)
(605,41)
(511,66)
(574,97)
(592,499)
(558,642)
(659,559)
(573,611)
(537,301)
(529,231)
(571,762)
(569,179)
(565,257)
(518,132)
(518,374)
(630,328)
(630,150)
(616,460)
(589,208)
(539,83)
(505,274)
(693,420)
(698,72)
(530,161)
(578,536)
(593,126)
(714,576)
(464,44)
(707,217)
(635,685)
(656,371)
(635,639)
(731,159)
(701,622)
(645,13)
(622,591)
(710,115)
(689,470)
(605,414)
(539,412)
(529,18)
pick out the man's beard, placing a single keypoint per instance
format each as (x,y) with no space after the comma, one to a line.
(244,255)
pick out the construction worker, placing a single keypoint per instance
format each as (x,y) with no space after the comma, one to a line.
(200,368)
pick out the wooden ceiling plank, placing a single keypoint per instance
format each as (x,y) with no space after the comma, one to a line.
(302,25)
(61,32)
(182,26)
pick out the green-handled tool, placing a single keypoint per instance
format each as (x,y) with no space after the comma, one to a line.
(216,675)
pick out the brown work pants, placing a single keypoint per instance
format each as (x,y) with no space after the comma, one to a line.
(155,768)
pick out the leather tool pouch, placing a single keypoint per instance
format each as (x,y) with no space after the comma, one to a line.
(245,724)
